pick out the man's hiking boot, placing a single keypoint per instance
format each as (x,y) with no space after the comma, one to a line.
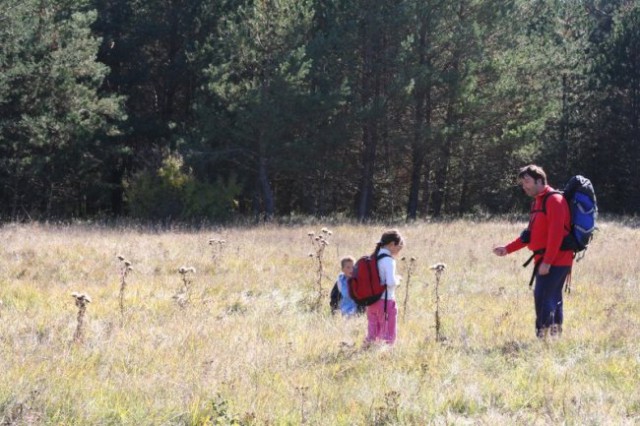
(542,333)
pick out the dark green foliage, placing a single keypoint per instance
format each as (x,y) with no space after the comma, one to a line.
(55,127)
(198,110)
(170,193)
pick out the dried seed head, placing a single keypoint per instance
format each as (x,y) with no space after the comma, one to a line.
(311,234)
(120,257)
(81,297)
(403,258)
(311,254)
(413,259)
(127,263)
(324,230)
(186,269)
(438,267)
(329,233)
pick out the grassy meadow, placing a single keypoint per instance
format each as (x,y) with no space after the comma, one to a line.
(245,345)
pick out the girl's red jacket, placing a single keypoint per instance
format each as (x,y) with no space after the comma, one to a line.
(548,230)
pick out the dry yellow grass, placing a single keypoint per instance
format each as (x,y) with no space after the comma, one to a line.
(247,348)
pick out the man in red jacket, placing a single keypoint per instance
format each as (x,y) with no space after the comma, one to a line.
(549,223)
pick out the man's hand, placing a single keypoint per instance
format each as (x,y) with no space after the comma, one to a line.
(500,251)
(543,269)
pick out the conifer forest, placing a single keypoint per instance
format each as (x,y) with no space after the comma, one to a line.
(200,110)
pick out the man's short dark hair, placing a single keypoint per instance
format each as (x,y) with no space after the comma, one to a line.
(534,171)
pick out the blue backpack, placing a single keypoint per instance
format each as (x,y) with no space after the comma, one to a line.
(582,202)
(583,206)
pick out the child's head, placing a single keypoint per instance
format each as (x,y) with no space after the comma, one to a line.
(391,240)
(346,263)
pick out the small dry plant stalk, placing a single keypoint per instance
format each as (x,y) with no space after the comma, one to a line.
(217,246)
(125,268)
(183,295)
(302,394)
(438,269)
(388,414)
(319,243)
(81,302)
(22,411)
(410,265)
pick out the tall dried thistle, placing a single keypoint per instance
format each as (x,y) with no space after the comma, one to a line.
(183,295)
(438,269)
(410,266)
(319,243)
(303,395)
(217,246)
(125,268)
(81,300)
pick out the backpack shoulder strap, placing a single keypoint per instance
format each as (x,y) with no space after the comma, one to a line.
(382,256)
(546,197)
(544,202)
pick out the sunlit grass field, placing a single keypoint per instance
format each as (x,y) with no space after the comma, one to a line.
(248,347)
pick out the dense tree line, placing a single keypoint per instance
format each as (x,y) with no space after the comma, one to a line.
(200,110)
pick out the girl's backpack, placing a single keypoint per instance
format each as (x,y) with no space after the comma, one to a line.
(365,287)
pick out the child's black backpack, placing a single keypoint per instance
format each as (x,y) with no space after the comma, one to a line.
(334,303)
(336,297)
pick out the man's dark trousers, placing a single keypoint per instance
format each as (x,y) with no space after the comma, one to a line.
(547,295)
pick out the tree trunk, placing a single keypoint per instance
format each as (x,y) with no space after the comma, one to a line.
(468,154)
(564,125)
(442,170)
(368,165)
(441,178)
(264,184)
(369,98)
(426,189)
(450,122)
(417,161)
(14,200)
(422,123)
